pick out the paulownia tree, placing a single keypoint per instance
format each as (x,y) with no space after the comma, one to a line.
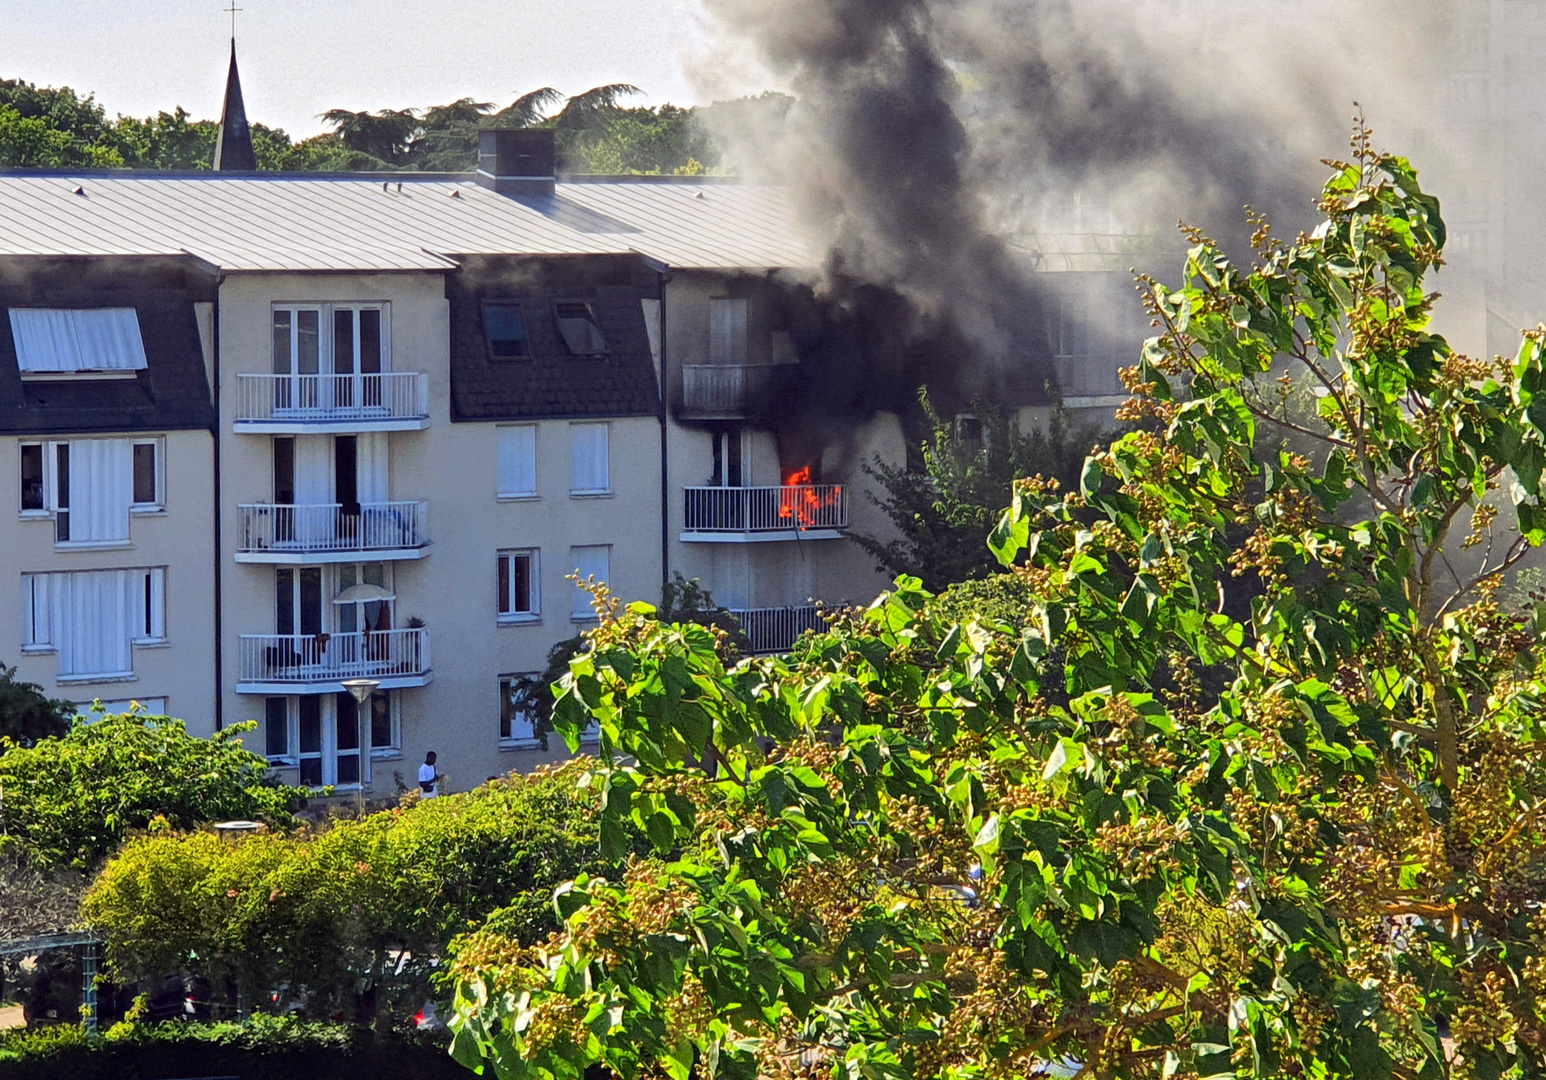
(1143,837)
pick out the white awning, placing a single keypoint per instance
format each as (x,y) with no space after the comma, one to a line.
(50,340)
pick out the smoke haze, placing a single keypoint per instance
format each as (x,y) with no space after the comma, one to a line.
(939,148)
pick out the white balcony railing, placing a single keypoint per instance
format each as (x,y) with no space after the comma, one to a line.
(723,389)
(321,399)
(279,527)
(311,658)
(774,629)
(767,509)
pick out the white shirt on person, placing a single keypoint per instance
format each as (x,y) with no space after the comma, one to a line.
(427,776)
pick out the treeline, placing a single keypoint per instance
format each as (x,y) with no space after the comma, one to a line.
(597,132)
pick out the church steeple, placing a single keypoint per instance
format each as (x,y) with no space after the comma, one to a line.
(233,151)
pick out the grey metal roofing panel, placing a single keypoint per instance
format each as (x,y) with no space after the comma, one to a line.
(297,223)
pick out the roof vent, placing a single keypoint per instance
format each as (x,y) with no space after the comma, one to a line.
(517,162)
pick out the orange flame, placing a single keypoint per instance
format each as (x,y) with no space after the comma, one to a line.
(803,503)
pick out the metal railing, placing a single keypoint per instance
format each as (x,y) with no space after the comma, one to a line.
(1093,375)
(304,658)
(775,629)
(392,395)
(723,389)
(767,509)
(279,527)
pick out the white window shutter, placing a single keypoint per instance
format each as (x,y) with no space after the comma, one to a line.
(50,340)
(589,464)
(727,331)
(592,561)
(518,460)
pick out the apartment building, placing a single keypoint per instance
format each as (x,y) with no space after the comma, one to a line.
(328,449)
(105,421)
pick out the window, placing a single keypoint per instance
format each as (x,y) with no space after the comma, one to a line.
(356,340)
(346,739)
(727,331)
(590,562)
(518,586)
(276,728)
(147,476)
(91,618)
(32,499)
(90,485)
(56,341)
(517,717)
(505,327)
(578,327)
(518,461)
(385,732)
(590,470)
(297,341)
(309,728)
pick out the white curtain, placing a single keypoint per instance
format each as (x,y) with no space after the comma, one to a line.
(727,331)
(593,561)
(371,466)
(93,339)
(314,488)
(101,489)
(92,615)
(588,458)
(518,460)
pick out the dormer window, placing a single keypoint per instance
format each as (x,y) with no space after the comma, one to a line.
(578,327)
(505,327)
(67,342)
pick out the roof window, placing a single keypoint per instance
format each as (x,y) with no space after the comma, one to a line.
(578,327)
(64,341)
(505,327)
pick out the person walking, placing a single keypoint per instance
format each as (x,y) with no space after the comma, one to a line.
(429,779)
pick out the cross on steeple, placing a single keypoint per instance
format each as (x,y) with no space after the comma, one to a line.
(233,9)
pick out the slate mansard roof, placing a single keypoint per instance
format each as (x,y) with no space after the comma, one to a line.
(362,222)
(551,382)
(170,394)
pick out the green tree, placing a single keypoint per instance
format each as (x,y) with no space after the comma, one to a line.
(943,505)
(358,913)
(1326,863)
(34,142)
(69,800)
(27,714)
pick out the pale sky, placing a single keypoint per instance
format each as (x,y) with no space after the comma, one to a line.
(299,58)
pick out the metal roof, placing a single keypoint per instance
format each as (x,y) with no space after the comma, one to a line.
(299,222)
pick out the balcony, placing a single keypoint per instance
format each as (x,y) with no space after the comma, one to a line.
(319,663)
(727,515)
(775,629)
(722,391)
(281,533)
(322,404)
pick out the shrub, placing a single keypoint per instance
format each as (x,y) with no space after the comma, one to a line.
(357,913)
(71,800)
(264,1048)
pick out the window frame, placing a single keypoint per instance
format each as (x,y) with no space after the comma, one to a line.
(152,580)
(511,616)
(42,511)
(489,339)
(591,317)
(158,478)
(511,741)
(326,335)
